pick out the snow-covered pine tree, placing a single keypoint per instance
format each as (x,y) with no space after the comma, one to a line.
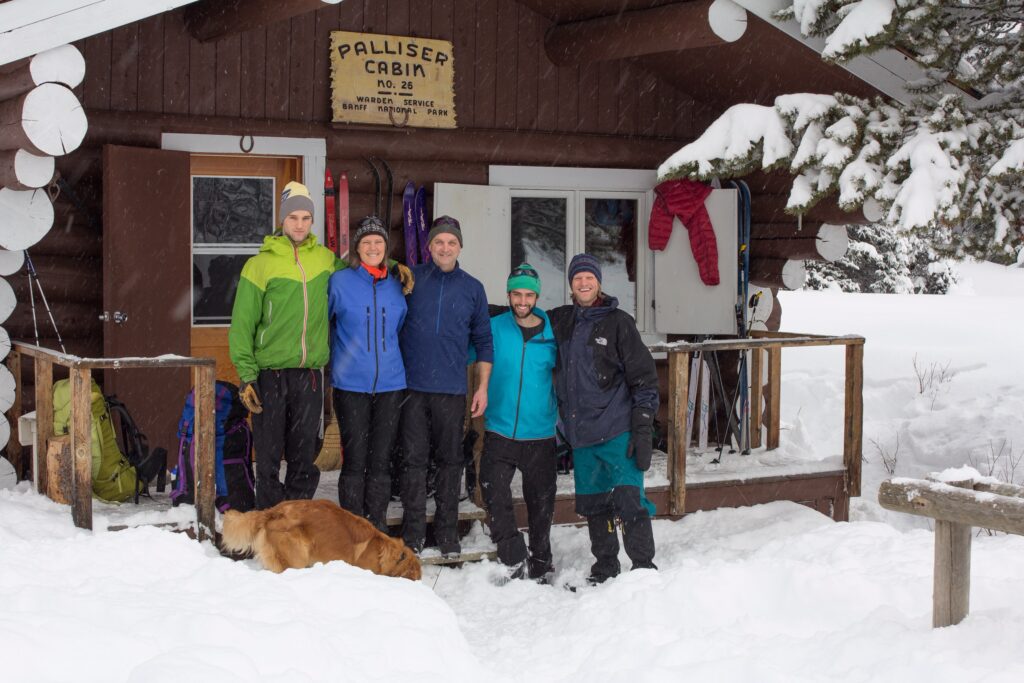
(954,172)
(880,260)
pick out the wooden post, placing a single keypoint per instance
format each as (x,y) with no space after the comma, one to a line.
(853,422)
(678,390)
(951,587)
(14,449)
(756,397)
(81,446)
(44,419)
(774,395)
(205,445)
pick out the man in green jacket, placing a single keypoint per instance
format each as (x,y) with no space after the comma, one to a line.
(279,346)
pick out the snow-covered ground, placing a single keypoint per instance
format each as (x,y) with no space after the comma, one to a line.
(770,593)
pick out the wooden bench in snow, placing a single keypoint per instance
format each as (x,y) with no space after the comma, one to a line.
(956,505)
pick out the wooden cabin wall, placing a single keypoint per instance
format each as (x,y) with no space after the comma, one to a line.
(153,71)
(503,78)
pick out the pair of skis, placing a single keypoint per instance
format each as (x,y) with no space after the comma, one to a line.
(415,225)
(336,223)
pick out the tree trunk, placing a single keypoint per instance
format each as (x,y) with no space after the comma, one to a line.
(48,120)
(27,215)
(829,244)
(778,273)
(63,64)
(21,170)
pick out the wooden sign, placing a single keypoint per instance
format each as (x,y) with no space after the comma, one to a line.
(392,80)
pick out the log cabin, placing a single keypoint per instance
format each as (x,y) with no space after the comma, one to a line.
(171,126)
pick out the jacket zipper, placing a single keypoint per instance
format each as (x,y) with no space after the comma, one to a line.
(440,295)
(384,328)
(270,319)
(519,392)
(376,354)
(367,329)
(305,305)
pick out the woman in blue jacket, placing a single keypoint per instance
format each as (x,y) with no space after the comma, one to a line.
(367,309)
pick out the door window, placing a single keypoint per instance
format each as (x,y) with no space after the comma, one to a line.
(234,201)
(610,230)
(539,237)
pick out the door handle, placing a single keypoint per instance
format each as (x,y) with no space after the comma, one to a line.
(117,317)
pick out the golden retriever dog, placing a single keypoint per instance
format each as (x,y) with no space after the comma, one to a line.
(299,533)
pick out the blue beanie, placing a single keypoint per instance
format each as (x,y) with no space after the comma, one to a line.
(584,263)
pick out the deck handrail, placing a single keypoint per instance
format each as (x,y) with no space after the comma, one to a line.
(80,370)
(759,344)
(956,507)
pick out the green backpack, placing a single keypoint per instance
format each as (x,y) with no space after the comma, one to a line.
(113,477)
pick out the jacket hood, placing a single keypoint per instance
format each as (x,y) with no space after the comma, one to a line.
(280,244)
(605,305)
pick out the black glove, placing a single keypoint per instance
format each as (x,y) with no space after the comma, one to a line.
(250,397)
(640,438)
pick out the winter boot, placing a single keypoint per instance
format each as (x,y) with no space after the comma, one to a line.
(604,544)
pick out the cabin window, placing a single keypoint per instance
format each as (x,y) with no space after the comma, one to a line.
(230,217)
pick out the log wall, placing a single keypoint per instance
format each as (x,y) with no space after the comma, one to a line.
(503,78)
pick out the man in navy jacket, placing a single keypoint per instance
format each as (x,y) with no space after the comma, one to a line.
(519,427)
(447,313)
(607,390)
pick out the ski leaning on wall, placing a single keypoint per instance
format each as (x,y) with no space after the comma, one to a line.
(422,225)
(409,226)
(330,214)
(343,215)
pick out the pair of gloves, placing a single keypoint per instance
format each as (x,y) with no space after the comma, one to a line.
(641,437)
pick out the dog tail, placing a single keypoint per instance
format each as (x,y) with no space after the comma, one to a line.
(240,530)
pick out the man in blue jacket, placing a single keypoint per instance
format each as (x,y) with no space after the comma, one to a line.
(607,391)
(519,427)
(447,313)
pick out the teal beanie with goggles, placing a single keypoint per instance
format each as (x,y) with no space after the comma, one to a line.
(524,276)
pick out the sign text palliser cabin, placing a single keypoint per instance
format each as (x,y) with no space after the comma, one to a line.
(392,80)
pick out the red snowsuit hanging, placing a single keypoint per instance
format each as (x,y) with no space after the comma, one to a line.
(685,199)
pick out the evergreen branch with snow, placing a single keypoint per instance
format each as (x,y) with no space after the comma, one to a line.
(938,166)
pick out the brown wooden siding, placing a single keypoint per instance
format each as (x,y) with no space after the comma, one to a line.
(503,78)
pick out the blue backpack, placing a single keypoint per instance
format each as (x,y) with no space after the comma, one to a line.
(233,469)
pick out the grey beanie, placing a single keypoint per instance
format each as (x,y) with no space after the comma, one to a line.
(443,224)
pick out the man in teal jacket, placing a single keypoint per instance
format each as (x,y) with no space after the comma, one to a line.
(519,426)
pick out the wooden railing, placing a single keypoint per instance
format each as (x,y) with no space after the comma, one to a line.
(761,344)
(80,370)
(956,507)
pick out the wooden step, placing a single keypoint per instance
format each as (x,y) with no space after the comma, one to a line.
(432,556)
(468,511)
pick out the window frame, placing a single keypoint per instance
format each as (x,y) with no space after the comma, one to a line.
(589,183)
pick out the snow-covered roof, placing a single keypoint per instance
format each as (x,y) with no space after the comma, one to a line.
(28,27)
(887,70)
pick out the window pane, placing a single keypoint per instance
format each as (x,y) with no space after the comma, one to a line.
(538,238)
(228,210)
(214,280)
(611,237)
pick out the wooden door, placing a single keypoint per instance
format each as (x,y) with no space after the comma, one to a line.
(234,201)
(146,276)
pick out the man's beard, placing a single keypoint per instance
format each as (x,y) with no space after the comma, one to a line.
(529,312)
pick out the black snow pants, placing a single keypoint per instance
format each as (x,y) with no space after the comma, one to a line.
(369,428)
(289,426)
(625,503)
(432,421)
(536,460)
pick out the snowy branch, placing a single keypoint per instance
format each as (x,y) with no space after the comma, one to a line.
(938,166)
